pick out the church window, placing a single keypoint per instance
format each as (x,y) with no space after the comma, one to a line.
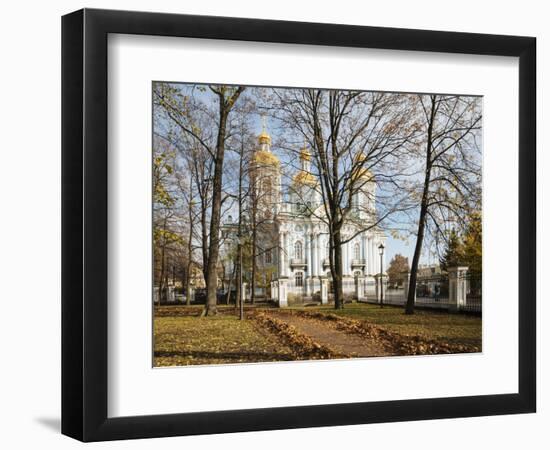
(298,254)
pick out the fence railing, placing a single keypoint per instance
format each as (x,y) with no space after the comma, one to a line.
(434,293)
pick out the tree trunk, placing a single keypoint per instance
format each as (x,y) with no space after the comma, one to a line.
(409,308)
(238,277)
(225,106)
(213,247)
(162,262)
(228,297)
(189,260)
(204,238)
(337,272)
(254,255)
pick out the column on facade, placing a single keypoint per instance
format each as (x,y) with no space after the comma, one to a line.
(281,254)
(369,257)
(315,256)
(312,249)
(374,261)
(363,251)
(285,254)
(376,256)
(307,248)
(384,258)
(321,254)
(346,259)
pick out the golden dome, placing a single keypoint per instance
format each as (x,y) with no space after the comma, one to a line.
(363,172)
(304,154)
(359,157)
(305,178)
(264,138)
(263,157)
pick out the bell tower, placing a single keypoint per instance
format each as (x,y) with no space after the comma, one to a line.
(265,176)
(364,197)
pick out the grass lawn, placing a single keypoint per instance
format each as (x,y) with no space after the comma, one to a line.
(189,340)
(450,328)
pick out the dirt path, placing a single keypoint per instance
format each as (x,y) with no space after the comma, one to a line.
(342,343)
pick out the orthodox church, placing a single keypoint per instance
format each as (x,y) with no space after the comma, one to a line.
(292,238)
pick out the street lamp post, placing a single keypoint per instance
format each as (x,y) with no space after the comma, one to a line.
(381,252)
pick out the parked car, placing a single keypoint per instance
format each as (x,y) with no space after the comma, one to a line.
(200,297)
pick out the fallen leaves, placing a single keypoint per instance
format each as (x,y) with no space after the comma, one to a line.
(400,344)
(302,345)
(190,340)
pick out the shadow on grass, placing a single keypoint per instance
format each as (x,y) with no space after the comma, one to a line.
(237,356)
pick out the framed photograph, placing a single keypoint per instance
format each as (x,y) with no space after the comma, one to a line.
(273,225)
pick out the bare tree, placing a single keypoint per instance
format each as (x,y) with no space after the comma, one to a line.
(450,186)
(357,138)
(207,128)
(164,217)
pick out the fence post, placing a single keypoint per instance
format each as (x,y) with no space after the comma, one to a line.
(170,294)
(457,288)
(282,293)
(360,288)
(324,291)
(274,290)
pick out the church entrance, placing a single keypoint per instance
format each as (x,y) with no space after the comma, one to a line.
(299,283)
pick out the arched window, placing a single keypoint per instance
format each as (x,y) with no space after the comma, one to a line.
(356,251)
(298,250)
(268,259)
(299,279)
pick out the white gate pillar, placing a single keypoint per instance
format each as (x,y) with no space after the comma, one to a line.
(457,288)
(276,290)
(324,291)
(282,293)
(360,288)
(170,294)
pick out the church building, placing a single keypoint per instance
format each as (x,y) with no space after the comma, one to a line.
(293,242)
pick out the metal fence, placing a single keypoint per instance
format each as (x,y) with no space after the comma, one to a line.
(473,292)
(433,293)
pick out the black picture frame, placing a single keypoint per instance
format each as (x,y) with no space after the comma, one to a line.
(84,224)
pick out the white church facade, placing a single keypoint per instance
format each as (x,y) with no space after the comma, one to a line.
(293,244)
